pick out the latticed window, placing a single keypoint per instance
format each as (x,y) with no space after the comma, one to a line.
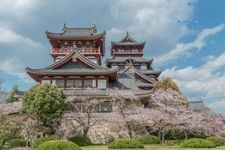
(106,107)
(78,83)
(70,84)
(143,67)
(60,83)
(89,83)
(103,107)
(46,81)
(101,84)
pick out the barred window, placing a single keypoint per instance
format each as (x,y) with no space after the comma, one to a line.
(46,81)
(89,83)
(60,83)
(103,107)
(78,83)
(70,83)
(101,84)
(106,107)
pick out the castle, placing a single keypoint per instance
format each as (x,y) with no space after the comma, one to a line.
(77,65)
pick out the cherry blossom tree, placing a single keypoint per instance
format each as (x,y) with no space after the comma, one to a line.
(3,93)
(120,101)
(84,110)
(170,112)
(32,128)
(215,125)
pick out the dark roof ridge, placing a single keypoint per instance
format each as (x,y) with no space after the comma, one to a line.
(126,37)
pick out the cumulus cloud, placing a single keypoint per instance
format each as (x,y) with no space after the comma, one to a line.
(17,52)
(19,8)
(156,21)
(182,49)
(13,67)
(203,81)
(10,37)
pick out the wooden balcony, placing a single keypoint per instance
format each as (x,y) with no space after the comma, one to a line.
(85,51)
(127,51)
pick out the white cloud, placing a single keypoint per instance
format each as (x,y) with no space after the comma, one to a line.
(19,52)
(19,8)
(12,67)
(215,63)
(203,82)
(156,21)
(183,48)
(10,37)
(218,105)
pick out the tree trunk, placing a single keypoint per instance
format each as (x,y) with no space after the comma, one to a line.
(185,135)
(85,131)
(129,130)
(163,137)
(27,143)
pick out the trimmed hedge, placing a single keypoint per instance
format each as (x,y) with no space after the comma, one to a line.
(148,139)
(197,143)
(125,143)
(41,140)
(58,145)
(80,140)
(17,143)
(218,141)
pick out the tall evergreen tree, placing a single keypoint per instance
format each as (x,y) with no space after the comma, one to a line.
(11,97)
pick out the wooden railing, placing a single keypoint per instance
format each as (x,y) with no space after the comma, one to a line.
(127,51)
(60,51)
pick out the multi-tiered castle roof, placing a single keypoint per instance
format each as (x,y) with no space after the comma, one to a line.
(77,54)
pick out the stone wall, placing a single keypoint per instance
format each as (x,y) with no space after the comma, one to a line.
(104,131)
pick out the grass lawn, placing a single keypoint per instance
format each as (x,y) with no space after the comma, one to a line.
(153,147)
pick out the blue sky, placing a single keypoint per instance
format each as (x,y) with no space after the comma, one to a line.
(186,38)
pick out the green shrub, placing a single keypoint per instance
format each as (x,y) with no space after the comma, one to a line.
(197,143)
(41,140)
(17,143)
(148,139)
(174,135)
(218,141)
(80,140)
(58,145)
(125,143)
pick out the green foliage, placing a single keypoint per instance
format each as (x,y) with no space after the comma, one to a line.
(11,97)
(198,135)
(80,140)
(175,135)
(17,143)
(46,101)
(197,143)
(58,145)
(166,83)
(218,141)
(125,143)
(28,100)
(3,93)
(5,131)
(148,139)
(41,140)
